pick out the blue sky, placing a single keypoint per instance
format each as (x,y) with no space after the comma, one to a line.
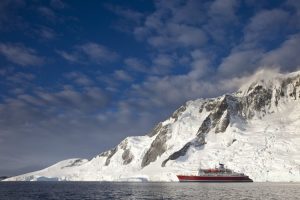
(76,77)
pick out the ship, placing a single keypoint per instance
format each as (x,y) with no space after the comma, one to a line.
(220,174)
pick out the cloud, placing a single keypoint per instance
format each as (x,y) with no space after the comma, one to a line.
(223,11)
(128,14)
(286,56)
(122,75)
(47,12)
(240,62)
(89,52)
(163,28)
(79,78)
(98,53)
(266,25)
(71,57)
(21,55)
(76,101)
(46,33)
(177,35)
(21,77)
(136,64)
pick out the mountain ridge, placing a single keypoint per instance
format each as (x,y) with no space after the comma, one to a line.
(257,123)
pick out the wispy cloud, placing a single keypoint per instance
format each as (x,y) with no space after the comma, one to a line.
(122,75)
(89,52)
(47,12)
(46,33)
(98,53)
(21,55)
(79,78)
(136,64)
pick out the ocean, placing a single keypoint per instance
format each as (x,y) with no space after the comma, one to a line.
(108,190)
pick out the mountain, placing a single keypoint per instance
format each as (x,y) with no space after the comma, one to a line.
(3,177)
(254,131)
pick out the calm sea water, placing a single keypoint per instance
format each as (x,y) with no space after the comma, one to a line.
(103,190)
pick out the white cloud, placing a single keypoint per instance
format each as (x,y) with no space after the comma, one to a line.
(46,33)
(223,10)
(71,57)
(240,62)
(135,64)
(98,53)
(79,78)
(89,52)
(286,56)
(266,25)
(122,75)
(20,54)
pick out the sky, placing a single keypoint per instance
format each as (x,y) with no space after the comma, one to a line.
(77,77)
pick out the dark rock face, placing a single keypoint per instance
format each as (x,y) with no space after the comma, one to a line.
(199,141)
(110,154)
(258,99)
(177,154)
(127,157)
(157,148)
(223,123)
(210,105)
(223,108)
(75,163)
(205,126)
(178,112)
(156,130)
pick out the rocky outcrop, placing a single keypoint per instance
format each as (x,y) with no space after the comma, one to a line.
(157,148)
(177,154)
(109,154)
(127,157)
(178,112)
(258,100)
(156,130)
(219,117)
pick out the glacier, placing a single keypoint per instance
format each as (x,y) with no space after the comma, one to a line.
(253,131)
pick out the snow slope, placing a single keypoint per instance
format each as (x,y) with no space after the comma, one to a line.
(254,131)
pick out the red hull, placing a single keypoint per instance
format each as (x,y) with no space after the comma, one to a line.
(183,178)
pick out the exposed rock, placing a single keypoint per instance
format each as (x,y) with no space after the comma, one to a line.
(127,157)
(205,126)
(177,154)
(157,148)
(258,100)
(178,112)
(110,155)
(156,129)
(214,117)
(223,123)
(75,163)
(210,105)
(201,108)
(199,141)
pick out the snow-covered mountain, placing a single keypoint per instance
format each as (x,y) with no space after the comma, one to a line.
(255,131)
